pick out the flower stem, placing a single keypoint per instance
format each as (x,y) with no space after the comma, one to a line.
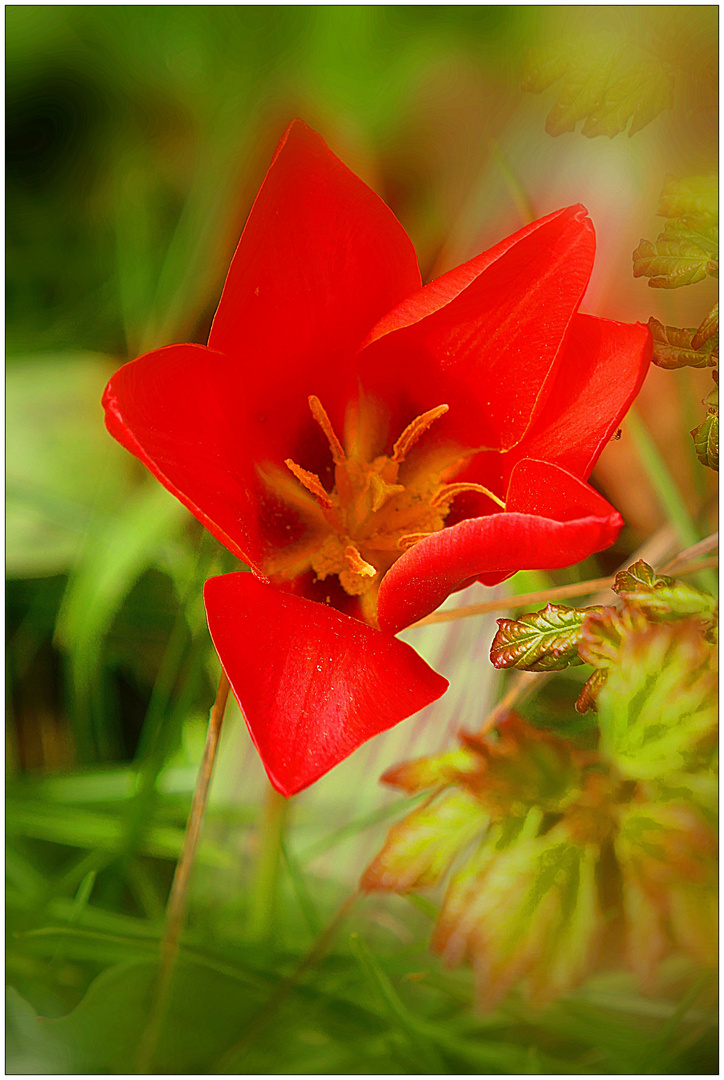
(262,909)
(178,897)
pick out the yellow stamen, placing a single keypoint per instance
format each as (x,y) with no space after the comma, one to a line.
(414,430)
(410,539)
(318,412)
(357,564)
(448,491)
(311,482)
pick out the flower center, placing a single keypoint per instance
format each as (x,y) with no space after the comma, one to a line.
(375,511)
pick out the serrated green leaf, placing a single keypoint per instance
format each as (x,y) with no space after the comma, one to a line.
(659,703)
(675,347)
(545,640)
(602,84)
(667,854)
(708,330)
(694,197)
(419,849)
(706,435)
(523,767)
(430,772)
(662,597)
(529,913)
(603,632)
(670,262)
(703,233)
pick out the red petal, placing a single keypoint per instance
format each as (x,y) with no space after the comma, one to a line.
(484,337)
(553,520)
(320,260)
(313,684)
(600,373)
(180,410)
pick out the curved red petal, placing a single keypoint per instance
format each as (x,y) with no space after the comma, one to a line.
(312,683)
(602,367)
(180,410)
(320,260)
(485,337)
(553,520)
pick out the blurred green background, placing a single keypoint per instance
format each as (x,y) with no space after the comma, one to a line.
(136,140)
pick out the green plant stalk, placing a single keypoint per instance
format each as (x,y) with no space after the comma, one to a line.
(262,909)
(667,492)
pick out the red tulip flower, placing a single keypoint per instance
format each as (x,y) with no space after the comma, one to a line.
(367,445)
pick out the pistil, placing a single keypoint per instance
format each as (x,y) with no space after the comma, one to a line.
(372,515)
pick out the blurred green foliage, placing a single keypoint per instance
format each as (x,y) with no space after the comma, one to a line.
(136,140)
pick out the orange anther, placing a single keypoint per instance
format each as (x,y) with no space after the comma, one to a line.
(318,412)
(311,482)
(414,430)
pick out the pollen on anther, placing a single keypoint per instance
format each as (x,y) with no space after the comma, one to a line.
(319,413)
(414,430)
(311,482)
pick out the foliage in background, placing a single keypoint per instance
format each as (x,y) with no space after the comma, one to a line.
(571,855)
(684,253)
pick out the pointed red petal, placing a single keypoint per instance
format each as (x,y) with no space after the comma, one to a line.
(553,520)
(312,683)
(320,260)
(600,373)
(484,337)
(181,411)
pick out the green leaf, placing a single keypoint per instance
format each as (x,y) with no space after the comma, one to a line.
(419,849)
(604,632)
(706,435)
(529,912)
(602,81)
(661,597)
(430,772)
(708,330)
(658,707)
(675,347)
(116,553)
(694,197)
(545,640)
(667,854)
(102,1034)
(671,261)
(523,767)
(30,1048)
(703,233)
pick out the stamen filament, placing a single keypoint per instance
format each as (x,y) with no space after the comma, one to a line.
(311,482)
(409,539)
(318,412)
(448,491)
(414,430)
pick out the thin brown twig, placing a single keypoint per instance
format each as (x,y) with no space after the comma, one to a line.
(178,896)
(561,592)
(709,543)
